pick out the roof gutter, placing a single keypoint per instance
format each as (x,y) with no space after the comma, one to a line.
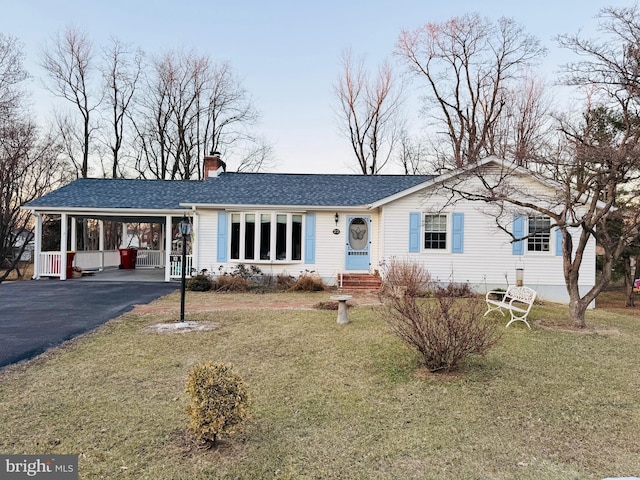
(316,208)
(104,211)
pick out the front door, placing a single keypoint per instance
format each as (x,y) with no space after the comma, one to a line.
(358,242)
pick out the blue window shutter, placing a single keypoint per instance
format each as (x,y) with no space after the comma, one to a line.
(414,232)
(223,236)
(558,242)
(310,238)
(518,232)
(457,232)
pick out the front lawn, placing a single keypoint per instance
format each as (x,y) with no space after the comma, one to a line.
(332,401)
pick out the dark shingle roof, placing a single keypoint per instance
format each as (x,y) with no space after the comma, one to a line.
(230,189)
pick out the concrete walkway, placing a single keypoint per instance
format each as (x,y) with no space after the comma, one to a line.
(39,314)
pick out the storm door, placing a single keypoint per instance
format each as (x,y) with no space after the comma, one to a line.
(358,243)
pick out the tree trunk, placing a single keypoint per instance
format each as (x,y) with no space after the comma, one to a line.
(577,312)
(628,283)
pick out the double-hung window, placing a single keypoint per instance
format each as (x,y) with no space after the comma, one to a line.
(266,237)
(435,232)
(539,233)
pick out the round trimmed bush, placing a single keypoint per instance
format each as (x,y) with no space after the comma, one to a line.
(219,401)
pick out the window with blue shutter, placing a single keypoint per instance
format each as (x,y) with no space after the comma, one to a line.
(457,232)
(414,232)
(223,236)
(310,238)
(518,232)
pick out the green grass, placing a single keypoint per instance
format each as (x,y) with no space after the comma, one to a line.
(333,401)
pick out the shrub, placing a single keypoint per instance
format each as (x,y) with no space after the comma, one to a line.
(219,401)
(199,283)
(444,329)
(231,283)
(461,290)
(403,277)
(283,282)
(308,282)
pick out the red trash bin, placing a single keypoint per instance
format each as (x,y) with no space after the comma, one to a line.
(128,258)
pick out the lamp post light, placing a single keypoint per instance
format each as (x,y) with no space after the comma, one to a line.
(185,230)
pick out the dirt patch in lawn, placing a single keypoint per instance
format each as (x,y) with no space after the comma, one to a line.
(182,327)
(564,327)
(212,302)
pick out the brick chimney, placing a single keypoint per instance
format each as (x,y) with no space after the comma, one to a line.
(213,166)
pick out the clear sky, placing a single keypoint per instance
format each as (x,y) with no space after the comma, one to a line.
(286,52)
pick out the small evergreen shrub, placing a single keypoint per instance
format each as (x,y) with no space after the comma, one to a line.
(199,283)
(218,401)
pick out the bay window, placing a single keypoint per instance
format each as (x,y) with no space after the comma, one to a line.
(277,237)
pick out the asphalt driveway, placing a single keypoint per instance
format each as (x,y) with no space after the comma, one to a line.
(37,315)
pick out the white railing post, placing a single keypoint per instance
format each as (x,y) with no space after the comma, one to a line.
(175,267)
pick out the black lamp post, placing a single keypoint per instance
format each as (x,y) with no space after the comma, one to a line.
(185,230)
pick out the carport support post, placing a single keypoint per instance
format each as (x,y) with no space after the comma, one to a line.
(168,236)
(37,247)
(64,220)
(101,243)
(74,235)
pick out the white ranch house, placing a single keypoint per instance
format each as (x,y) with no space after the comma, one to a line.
(328,224)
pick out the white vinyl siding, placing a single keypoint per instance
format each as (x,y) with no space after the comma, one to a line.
(487,259)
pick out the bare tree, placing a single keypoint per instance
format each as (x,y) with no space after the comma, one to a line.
(412,155)
(12,74)
(469,64)
(596,198)
(524,132)
(369,109)
(68,61)
(230,119)
(122,68)
(28,161)
(190,105)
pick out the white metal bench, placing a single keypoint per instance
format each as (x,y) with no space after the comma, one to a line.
(518,300)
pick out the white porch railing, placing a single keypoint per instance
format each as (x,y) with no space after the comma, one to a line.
(87,260)
(111,258)
(150,258)
(50,264)
(90,260)
(176,266)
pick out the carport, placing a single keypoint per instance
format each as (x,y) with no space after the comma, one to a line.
(167,259)
(96,201)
